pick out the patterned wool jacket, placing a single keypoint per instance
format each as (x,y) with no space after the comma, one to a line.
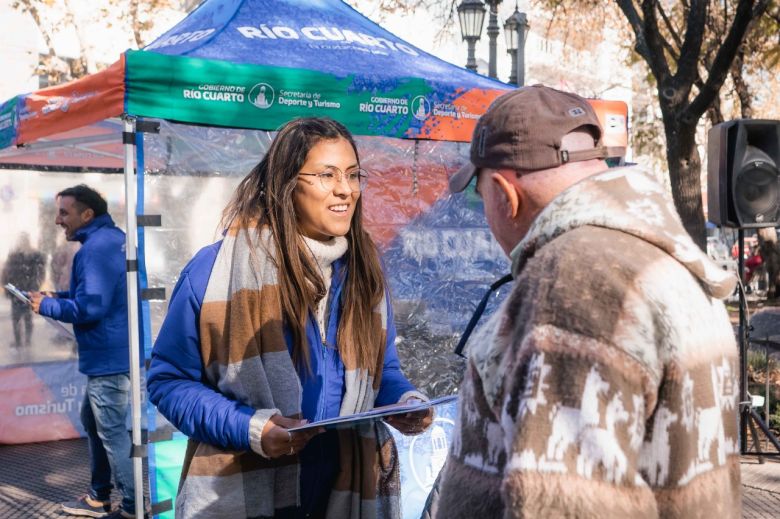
(605,385)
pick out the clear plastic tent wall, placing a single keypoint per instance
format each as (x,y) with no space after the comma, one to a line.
(40,385)
(438,253)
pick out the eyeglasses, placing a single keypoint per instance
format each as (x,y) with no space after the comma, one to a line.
(356,178)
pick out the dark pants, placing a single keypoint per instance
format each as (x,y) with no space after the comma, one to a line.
(319,468)
(19,312)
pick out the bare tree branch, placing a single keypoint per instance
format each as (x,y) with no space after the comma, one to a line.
(134,23)
(670,27)
(653,37)
(647,43)
(687,66)
(30,7)
(637,25)
(722,62)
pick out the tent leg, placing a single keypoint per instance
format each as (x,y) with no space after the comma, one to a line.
(131,199)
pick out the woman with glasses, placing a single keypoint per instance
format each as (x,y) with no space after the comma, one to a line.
(285,321)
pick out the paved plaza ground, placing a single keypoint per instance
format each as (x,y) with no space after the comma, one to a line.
(35,478)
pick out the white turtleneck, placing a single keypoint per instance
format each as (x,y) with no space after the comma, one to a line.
(325,253)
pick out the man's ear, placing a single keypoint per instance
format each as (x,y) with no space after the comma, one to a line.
(87,215)
(510,192)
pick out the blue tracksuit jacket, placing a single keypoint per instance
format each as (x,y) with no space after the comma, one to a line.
(96,303)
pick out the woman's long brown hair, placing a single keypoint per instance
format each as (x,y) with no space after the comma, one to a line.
(265,196)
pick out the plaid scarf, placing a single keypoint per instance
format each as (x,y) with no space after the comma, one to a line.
(246,358)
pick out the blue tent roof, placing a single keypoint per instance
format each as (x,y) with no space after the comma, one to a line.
(259,63)
(323,35)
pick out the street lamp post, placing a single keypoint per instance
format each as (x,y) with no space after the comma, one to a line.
(492,32)
(515,32)
(471,14)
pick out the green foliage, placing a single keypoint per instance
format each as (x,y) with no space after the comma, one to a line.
(774,419)
(757,364)
(756,361)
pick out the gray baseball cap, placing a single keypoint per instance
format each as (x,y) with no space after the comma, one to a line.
(522,130)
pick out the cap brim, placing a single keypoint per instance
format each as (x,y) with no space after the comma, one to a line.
(461,179)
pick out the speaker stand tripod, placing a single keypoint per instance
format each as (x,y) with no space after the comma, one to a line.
(748,418)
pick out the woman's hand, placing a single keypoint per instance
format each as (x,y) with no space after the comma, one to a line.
(412,423)
(278,441)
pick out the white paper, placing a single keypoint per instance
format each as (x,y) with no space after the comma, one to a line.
(376,414)
(17,293)
(21,296)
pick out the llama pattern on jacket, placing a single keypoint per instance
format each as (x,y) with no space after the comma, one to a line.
(569,422)
(707,422)
(600,446)
(655,457)
(610,368)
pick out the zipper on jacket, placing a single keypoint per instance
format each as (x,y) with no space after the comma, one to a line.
(323,332)
(323,358)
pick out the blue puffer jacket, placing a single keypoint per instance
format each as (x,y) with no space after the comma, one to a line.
(176,382)
(97,301)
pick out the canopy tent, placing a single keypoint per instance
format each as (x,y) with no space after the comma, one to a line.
(257,64)
(95,147)
(254,65)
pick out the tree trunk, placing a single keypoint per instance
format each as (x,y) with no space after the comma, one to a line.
(714,112)
(682,157)
(743,91)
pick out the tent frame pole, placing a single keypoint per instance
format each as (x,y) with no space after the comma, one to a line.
(131,200)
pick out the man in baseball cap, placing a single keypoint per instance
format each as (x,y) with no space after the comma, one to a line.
(583,391)
(524,131)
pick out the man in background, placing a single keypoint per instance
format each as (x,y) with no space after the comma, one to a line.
(605,384)
(96,305)
(25,269)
